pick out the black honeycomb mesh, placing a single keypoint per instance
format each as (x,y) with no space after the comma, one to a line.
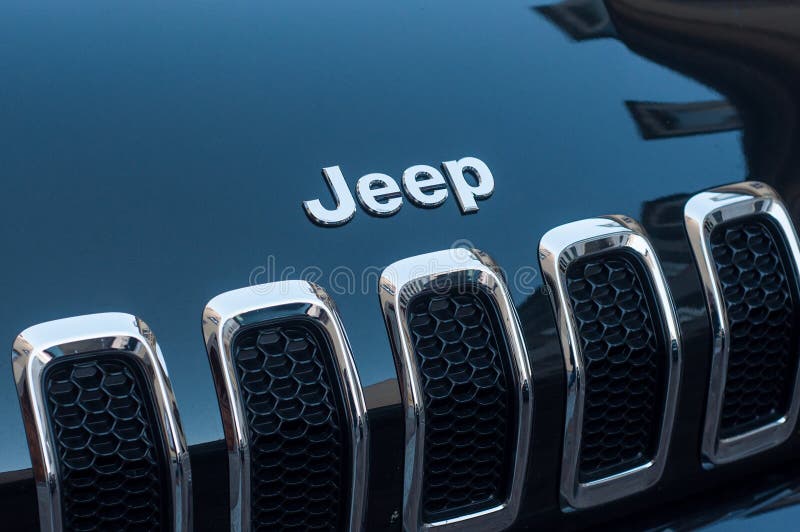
(298,444)
(623,353)
(469,405)
(760,303)
(111,467)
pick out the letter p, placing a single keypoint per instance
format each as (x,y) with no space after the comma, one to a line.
(466,193)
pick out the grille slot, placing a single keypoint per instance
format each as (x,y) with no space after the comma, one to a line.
(466,386)
(760,302)
(110,465)
(292,408)
(469,433)
(104,433)
(746,251)
(622,350)
(622,357)
(297,439)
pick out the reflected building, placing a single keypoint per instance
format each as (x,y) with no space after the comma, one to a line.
(582,20)
(663,120)
(736,51)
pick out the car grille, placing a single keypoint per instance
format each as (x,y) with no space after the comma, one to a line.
(469,410)
(763,344)
(110,466)
(297,438)
(623,363)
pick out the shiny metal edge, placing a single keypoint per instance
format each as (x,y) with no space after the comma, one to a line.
(35,347)
(557,249)
(223,316)
(702,213)
(399,283)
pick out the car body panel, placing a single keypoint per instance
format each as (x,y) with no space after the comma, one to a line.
(155,155)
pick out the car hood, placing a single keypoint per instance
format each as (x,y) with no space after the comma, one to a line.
(155,156)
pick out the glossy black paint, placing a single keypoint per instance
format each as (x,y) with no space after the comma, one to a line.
(154,155)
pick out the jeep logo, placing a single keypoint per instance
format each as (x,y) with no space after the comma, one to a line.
(423,185)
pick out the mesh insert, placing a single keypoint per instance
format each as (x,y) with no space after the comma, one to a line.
(469,408)
(111,468)
(624,360)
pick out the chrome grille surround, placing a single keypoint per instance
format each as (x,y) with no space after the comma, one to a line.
(223,317)
(702,214)
(558,248)
(399,283)
(108,333)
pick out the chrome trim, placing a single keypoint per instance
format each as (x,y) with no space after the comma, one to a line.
(399,283)
(383,201)
(428,192)
(345,204)
(702,213)
(465,192)
(223,316)
(557,249)
(37,346)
